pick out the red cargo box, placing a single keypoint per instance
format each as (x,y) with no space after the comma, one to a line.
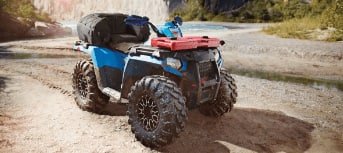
(185,43)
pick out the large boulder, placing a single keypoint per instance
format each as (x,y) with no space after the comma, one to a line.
(45,29)
(16,28)
(11,28)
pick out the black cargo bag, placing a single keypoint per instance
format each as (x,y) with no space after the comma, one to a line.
(101,29)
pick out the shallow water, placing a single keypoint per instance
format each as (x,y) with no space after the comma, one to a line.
(186,27)
(199,27)
(314,82)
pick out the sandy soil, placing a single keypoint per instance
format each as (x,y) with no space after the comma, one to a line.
(38,113)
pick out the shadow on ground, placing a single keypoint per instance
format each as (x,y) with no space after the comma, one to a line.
(115,109)
(2,83)
(244,129)
(247,129)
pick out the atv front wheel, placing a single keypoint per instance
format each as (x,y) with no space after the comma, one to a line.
(157,111)
(226,97)
(85,89)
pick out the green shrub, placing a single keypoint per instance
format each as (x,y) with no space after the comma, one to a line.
(43,17)
(23,8)
(3,3)
(319,6)
(26,11)
(333,16)
(220,18)
(295,28)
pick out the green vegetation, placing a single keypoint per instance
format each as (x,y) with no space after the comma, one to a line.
(271,10)
(24,9)
(303,19)
(327,25)
(193,11)
(304,28)
(256,11)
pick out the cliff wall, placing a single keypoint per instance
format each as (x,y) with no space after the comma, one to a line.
(156,10)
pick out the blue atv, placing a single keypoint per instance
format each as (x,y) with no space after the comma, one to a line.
(160,82)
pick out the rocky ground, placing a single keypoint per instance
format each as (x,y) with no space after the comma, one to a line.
(38,113)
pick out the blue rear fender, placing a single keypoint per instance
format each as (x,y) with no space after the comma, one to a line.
(108,65)
(105,57)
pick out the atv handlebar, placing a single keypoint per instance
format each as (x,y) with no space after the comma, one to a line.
(135,20)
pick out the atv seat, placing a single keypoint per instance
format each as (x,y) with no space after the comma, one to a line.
(123,47)
(104,30)
(121,32)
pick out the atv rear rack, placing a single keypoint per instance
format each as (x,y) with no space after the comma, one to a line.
(185,43)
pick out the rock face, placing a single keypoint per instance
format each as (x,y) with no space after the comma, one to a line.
(11,27)
(156,10)
(222,6)
(174,4)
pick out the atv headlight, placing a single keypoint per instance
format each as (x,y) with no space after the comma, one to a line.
(174,63)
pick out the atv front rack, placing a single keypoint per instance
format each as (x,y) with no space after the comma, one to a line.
(185,43)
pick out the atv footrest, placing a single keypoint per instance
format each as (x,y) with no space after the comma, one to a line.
(111,93)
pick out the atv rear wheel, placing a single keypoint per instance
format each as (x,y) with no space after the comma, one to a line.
(85,88)
(226,97)
(157,111)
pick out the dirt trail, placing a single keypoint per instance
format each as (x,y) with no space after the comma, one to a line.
(37,118)
(38,113)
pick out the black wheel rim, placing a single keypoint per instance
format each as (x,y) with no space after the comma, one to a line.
(148,114)
(82,86)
